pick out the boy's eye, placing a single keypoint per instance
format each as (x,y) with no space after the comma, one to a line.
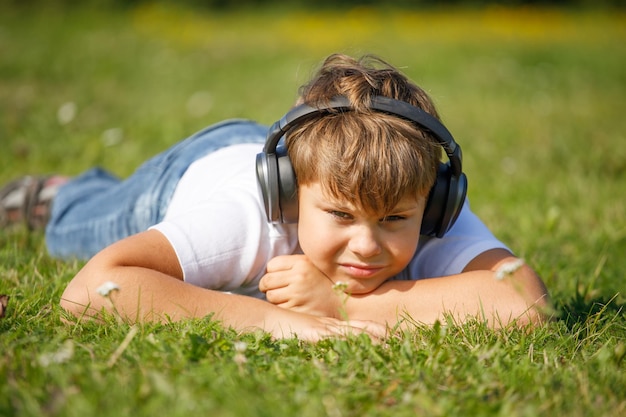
(340,214)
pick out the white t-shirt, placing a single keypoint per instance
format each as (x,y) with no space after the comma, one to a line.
(216,224)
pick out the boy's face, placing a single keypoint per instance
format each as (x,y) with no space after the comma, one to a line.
(360,249)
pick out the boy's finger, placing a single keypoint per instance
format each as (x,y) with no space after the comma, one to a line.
(344,328)
(282,263)
(367,326)
(272,281)
(276,297)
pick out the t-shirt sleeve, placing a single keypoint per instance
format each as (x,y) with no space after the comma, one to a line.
(449,255)
(221,244)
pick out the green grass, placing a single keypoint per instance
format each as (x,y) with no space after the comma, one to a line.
(536,99)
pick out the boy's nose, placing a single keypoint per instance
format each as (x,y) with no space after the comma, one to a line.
(365,242)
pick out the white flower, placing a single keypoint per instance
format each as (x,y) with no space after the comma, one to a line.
(200,103)
(240,357)
(64,354)
(508,269)
(112,137)
(340,286)
(66,113)
(106,288)
(241,347)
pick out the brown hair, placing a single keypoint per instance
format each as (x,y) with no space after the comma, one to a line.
(371,158)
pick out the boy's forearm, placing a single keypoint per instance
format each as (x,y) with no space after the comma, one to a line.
(147,295)
(478,294)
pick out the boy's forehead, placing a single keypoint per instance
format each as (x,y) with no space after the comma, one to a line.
(350,202)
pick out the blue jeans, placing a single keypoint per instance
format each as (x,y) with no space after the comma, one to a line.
(97,209)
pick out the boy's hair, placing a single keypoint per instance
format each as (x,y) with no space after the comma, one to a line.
(374,159)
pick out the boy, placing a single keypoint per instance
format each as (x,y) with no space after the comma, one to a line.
(332,240)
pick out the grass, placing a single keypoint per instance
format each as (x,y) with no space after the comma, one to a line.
(534,96)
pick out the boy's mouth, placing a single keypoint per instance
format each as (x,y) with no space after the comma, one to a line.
(361,271)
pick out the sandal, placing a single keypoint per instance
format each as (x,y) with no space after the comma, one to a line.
(27,200)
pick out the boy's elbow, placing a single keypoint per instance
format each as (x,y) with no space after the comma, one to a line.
(77,302)
(535,315)
(78,298)
(535,302)
(541,310)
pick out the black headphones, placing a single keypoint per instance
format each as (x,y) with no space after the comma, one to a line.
(278,184)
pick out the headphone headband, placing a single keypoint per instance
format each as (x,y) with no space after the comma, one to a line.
(383,104)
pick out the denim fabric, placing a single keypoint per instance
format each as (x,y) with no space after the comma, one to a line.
(96,209)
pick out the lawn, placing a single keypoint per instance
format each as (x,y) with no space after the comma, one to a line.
(534,96)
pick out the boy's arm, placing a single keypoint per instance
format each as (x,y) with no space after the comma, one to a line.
(480,291)
(146,270)
(477,292)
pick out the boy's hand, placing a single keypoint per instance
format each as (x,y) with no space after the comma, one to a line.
(294,283)
(310,328)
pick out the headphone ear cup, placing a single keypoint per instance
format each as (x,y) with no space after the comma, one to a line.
(267,180)
(456,197)
(445,202)
(287,187)
(436,202)
(277,186)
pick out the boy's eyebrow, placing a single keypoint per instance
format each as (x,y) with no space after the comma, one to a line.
(404,205)
(403,209)
(338,205)
(400,208)
(335,202)
(407,205)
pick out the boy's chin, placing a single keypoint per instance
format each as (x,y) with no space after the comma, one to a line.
(362,288)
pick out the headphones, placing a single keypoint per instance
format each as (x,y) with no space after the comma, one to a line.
(278,185)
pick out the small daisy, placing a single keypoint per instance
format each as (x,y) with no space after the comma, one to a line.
(508,269)
(106,288)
